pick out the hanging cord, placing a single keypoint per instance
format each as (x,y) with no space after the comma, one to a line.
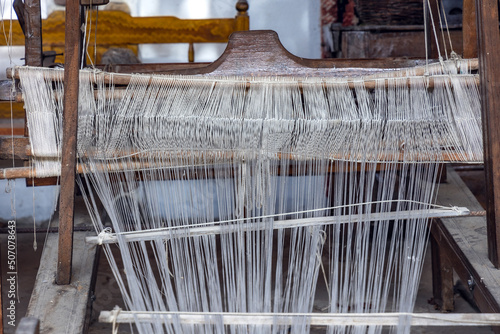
(453,54)
(426,41)
(114,315)
(440,57)
(95,35)
(442,32)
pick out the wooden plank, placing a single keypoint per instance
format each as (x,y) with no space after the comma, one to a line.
(489,69)
(63,308)
(469,29)
(463,241)
(68,154)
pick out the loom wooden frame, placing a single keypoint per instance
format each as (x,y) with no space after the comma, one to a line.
(489,64)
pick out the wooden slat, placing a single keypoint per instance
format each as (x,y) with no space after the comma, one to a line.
(68,154)
(489,69)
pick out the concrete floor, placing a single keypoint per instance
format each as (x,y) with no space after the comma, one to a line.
(108,294)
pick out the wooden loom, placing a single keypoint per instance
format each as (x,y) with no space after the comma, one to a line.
(265,43)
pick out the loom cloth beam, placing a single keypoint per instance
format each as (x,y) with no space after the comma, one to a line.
(489,68)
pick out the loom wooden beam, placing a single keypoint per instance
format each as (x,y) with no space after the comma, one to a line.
(469,29)
(172,68)
(18,6)
(33,33)
(33,38)
(68,162)
(489,69)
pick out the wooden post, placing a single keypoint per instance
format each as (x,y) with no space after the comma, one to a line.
(242,19)
(68,163)
(32,21)
(469,29)
(489,69)
(33,33)
(432,14)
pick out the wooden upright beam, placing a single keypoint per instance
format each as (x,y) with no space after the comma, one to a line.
(469,29)
(68,163)
(489,68)
(33,33)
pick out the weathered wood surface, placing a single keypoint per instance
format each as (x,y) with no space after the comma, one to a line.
(442,277)
(489,69)
(381,43)
(469,29)
(19,146)
(63,308)
(68,152)
(463,241)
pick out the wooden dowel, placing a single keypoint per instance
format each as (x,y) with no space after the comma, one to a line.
(119,93)
(28,172)
(316,319)
(124,79)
